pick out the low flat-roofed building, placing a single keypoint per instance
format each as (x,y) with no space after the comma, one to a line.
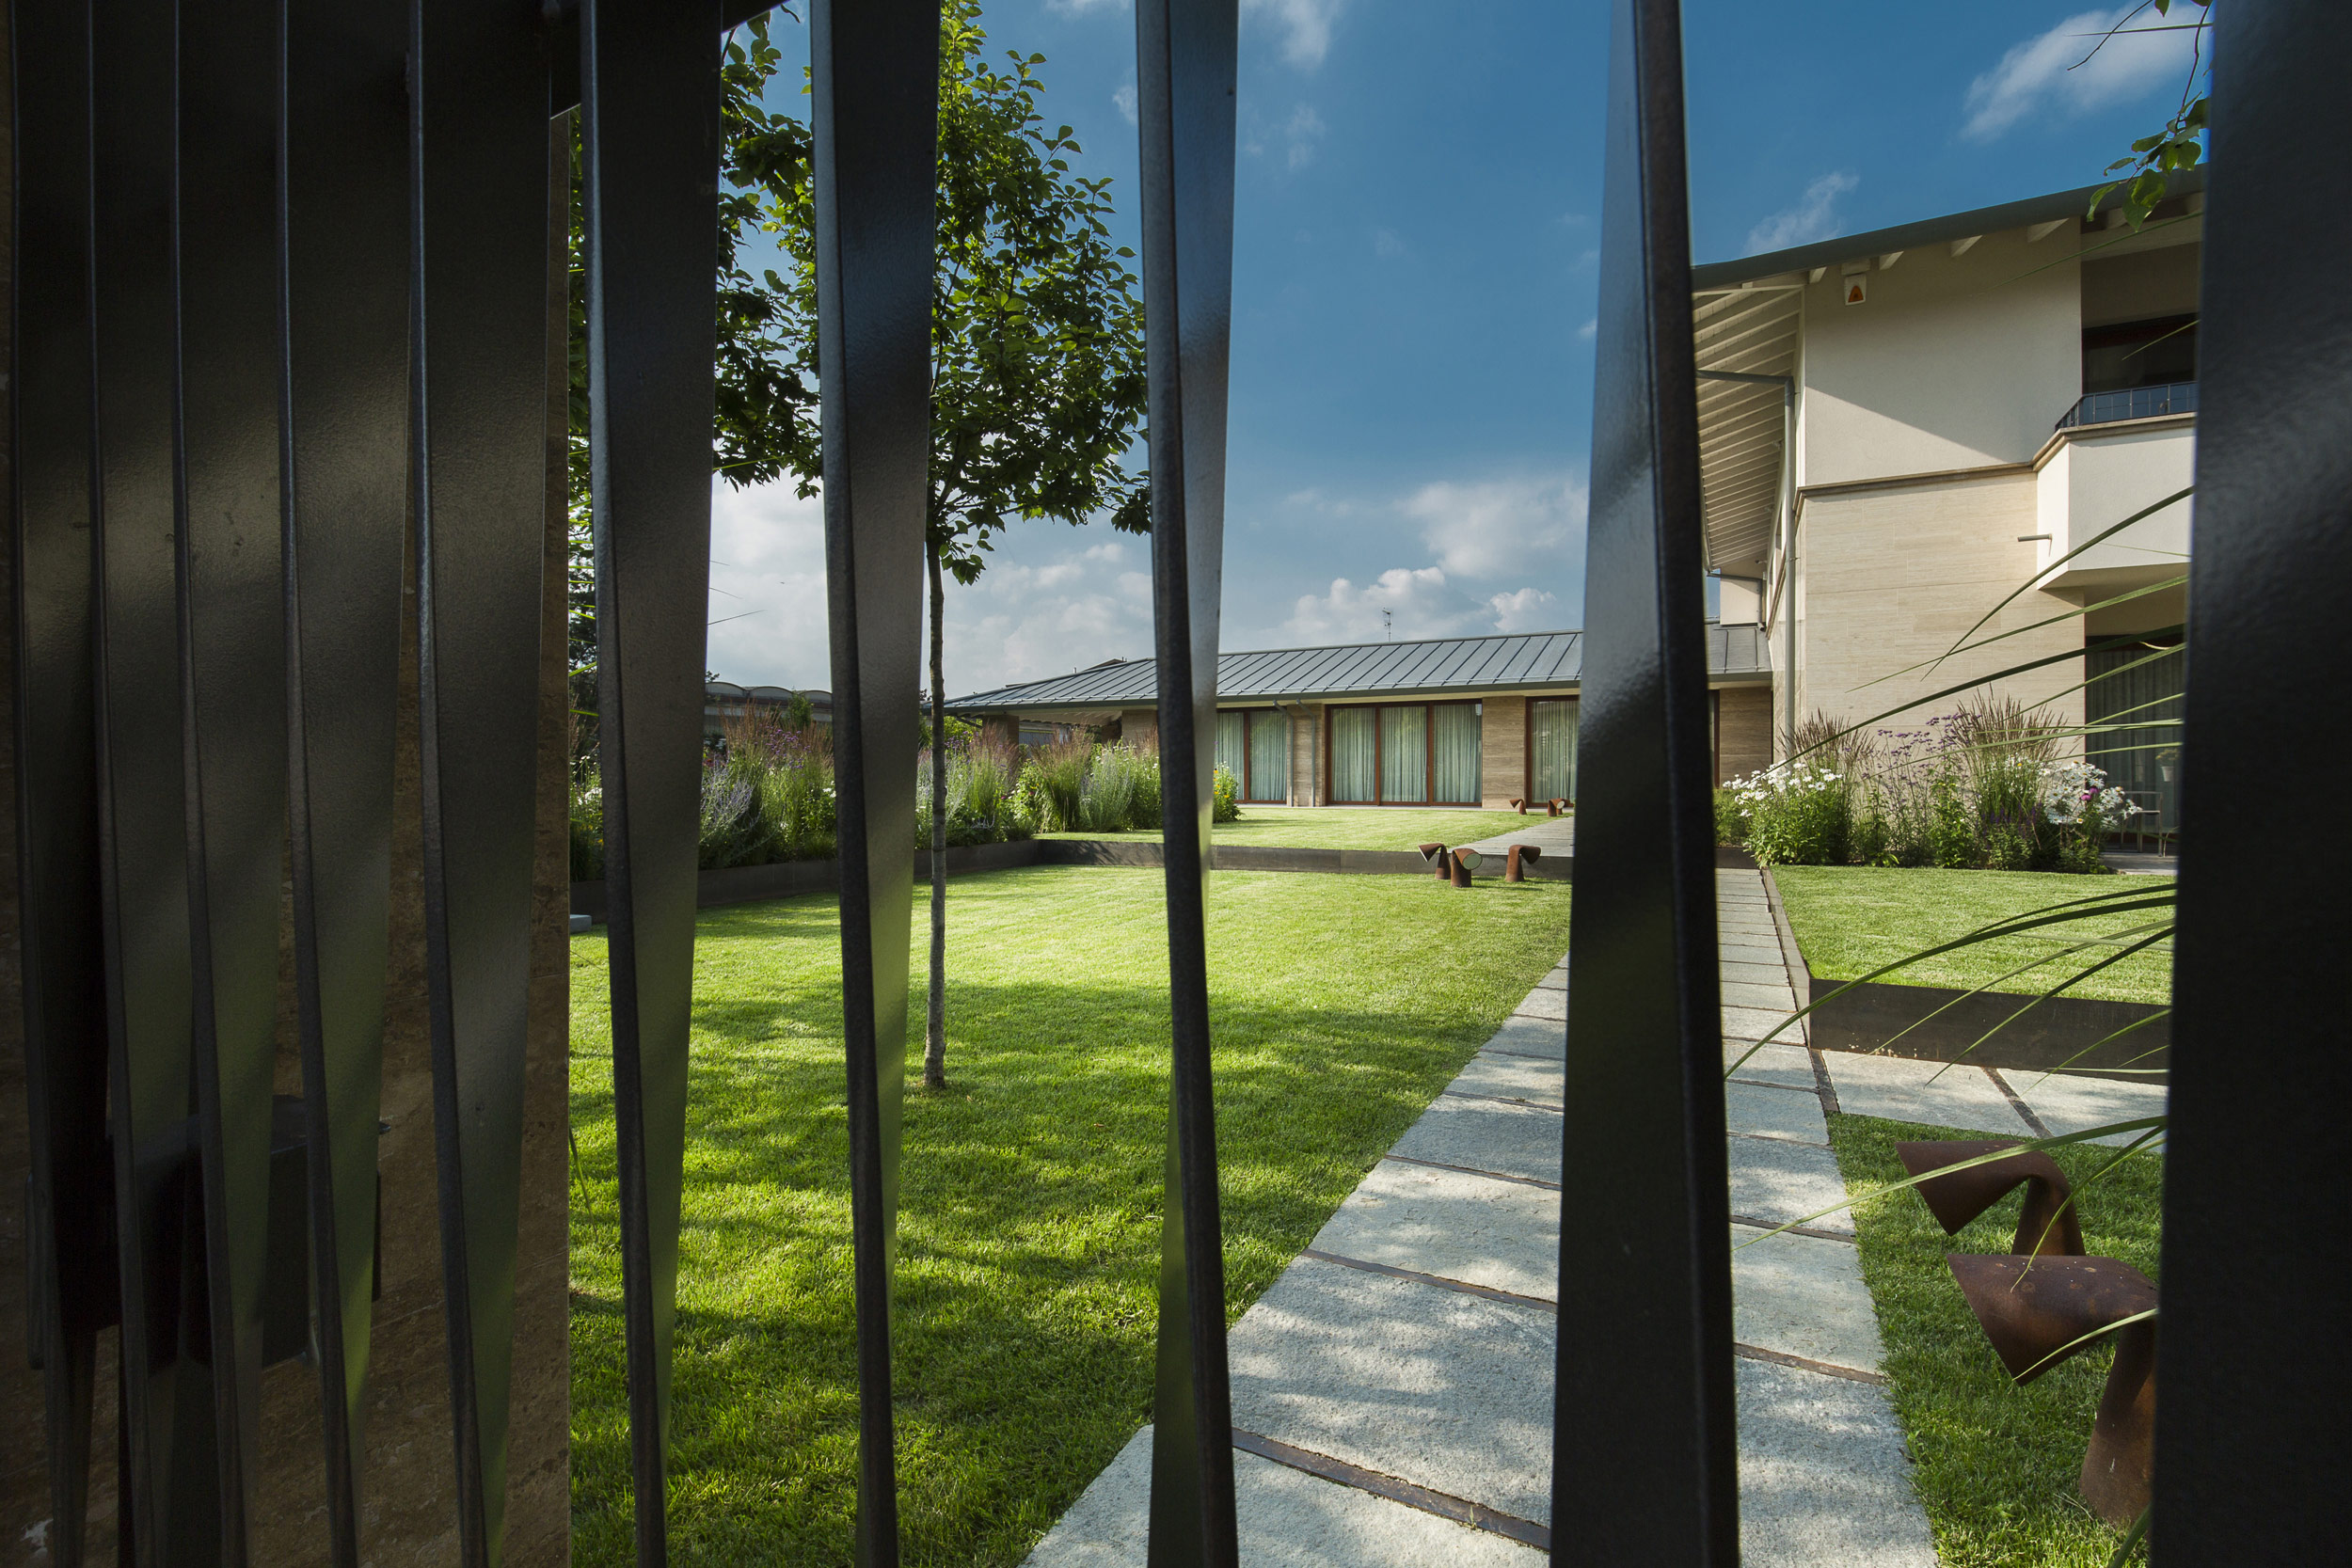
(1456,720)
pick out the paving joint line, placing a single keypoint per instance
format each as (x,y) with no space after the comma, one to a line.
(1807,1364)
(1774,1138)
(1763,1083)
(1474,1170)
(1508,1298)
(1824,1083)
(2017,1103)
(1461,1511)
(1530,1055)
(1504,1099)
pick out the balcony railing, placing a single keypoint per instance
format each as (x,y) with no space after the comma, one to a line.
(2132,403)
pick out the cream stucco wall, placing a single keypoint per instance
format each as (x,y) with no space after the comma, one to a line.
(1897,576)
(2096,477)
(1953,362)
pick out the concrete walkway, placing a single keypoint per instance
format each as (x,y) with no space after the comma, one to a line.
(1392,1389)
(1554,835)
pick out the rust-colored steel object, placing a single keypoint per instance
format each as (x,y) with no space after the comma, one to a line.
(1464,862)
(1517,858)
(1438,865)
(2033,1308)
(1518,804)
(1557,806)
(2047,1225)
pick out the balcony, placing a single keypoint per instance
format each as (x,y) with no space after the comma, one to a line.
(2132,403)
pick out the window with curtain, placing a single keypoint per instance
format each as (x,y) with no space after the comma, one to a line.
(1551,749)
(1232,732)
(1458,752)
(1405,753)
(1269,755)
(1355,755)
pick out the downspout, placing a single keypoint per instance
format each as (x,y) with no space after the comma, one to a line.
(1785,528)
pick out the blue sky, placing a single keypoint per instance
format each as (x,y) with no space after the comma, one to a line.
(1414,279)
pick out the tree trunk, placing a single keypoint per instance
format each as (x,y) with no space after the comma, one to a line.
(935,1045)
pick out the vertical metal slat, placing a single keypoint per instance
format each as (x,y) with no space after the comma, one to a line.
(2251,1440)
(649,132)
(1186,70)
(874,75)
(478,361)
(1643,1454)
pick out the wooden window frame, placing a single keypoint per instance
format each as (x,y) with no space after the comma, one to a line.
(1429,752)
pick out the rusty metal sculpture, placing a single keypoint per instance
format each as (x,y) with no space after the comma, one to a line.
(1558,806)
(2040,1302)
(1464,862)
(1518,803)
(1434,854)
(1517,859)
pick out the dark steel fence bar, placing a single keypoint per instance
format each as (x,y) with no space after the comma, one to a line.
(166,1377)
(232,679)
(342,336)
(1185,68)
(479,362)
(874,69)
(2252,1438)
(72,1288)
(649,136)
(1643,1454)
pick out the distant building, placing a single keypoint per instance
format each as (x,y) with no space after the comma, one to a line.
(1465,720)
(725,701)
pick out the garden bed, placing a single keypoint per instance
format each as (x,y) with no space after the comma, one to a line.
(1392,828)
(1030,1189)
(1995,1464)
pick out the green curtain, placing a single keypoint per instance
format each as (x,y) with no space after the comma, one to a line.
(1458,752)
(1231,725)
(1553,743)
(1353,754)
(1405,754)
(1269,755)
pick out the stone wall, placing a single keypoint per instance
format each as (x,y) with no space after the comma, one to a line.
(1743,731)
(1502,752)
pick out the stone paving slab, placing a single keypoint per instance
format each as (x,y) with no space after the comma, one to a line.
(1749,953)
(1747,994)
(1773,974)
(1793,1114)
(1944,1094)
(1447,1390)
(1822,1475)
(1780,1182)
(1556,980)
(2068,1104)
(1288,1519)
(1543,1002)
(1531,1036)
(1803,1295)
(1754,1023)
(1537,1079)
(1481,1134)
(1504,1235)
(1775,1063)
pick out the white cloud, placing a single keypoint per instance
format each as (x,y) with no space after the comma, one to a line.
(1304,132)
(1502,528)
(1408,602)
(1813,217)
(1126,98)
(1522,610)
(1080,7)
(768,576)
(1590,329)
(2049,74)
(1305,26)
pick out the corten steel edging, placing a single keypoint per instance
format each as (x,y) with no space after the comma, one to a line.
(2253,1443)
(1185,68)
(1644,1146)
(232,678)
(478,181)
(342,337)
(874,120)
(171,1475)
(1895,1021)
(71,1293)
(650,140)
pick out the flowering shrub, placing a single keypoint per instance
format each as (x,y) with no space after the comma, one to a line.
(587,825)
(1797,815)
(1225,799)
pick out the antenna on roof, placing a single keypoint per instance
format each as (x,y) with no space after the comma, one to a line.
(1388,623)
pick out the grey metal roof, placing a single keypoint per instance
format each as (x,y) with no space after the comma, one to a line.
(1547,660)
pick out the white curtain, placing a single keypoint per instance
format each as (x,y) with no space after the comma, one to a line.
(1405,754)
(1229,742)
(1353,754)
(1269,755)
(1553,745)
(1458,752)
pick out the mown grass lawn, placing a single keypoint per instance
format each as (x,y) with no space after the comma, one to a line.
(1029,1225)
(1996,1463)
(1851,919)
(1350,827)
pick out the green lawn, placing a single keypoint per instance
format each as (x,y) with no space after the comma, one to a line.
(1996,1463)
(1351,827)
(1029,1229)
(1849,919)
